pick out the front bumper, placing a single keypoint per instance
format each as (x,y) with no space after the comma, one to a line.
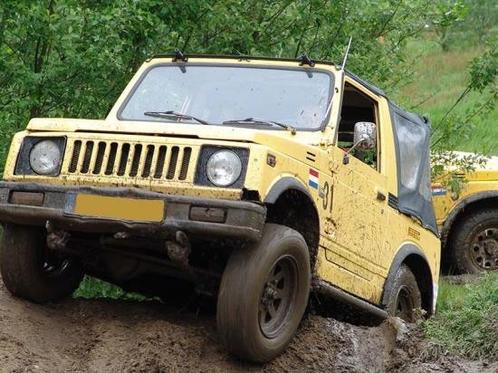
(240,219)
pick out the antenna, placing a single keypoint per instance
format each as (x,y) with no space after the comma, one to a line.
(346,54)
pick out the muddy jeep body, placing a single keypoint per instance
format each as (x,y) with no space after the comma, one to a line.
(130,198)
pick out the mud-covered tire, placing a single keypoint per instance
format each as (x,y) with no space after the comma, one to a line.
(465,233)
(404,298)
(251,281)
(26,272)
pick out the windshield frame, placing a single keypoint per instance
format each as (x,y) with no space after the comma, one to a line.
(305,69)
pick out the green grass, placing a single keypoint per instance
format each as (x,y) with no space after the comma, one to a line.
(466,322)
(438,80)
(92,288)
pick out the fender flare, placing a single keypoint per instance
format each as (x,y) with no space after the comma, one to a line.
(284,184)
(460,207)
(404,252)
(309,230)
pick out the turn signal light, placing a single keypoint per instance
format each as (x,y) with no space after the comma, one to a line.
(27,198)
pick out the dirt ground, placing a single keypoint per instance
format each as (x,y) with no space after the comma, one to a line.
(110,336)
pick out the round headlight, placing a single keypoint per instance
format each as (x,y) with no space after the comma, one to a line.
(224,168)
(45,157)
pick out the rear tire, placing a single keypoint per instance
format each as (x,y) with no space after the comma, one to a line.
(263,294)
(29,273)
(404,298)
(474,243)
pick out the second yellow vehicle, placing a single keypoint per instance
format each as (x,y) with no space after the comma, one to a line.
(468,219)
(254,180)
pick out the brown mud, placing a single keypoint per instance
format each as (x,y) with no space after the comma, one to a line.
(113,336)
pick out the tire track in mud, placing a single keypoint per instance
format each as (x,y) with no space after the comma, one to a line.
(108,336)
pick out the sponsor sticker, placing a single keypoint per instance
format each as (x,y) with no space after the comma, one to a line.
(314,176)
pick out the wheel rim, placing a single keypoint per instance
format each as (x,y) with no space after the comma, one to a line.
(278,296)
(483,251)
(53,266)
(404,303)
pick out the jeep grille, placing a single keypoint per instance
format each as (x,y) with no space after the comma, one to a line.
(136,160)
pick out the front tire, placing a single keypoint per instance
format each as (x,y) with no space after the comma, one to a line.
(404,297)
(29,272)
(474,245)
(263,294)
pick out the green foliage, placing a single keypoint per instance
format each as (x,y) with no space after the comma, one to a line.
(481,20)
(447,15)
(484,71)
(467,318)
(482,81)
(449,168)
(457,90)
(463,108)
(458,23)
(92,288)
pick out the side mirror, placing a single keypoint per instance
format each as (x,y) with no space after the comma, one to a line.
(365,138)
(365,135)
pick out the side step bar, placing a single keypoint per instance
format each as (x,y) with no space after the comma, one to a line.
(328,290)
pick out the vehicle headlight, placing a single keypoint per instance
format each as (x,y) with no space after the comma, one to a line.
(45,157)
(224,168)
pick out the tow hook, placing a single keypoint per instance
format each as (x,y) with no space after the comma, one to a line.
(56,239)
(179,250)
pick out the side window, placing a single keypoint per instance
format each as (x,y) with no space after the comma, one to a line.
(412,140)
(357,107)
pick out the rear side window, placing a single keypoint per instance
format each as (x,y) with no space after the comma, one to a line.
(411,140)
(412,135)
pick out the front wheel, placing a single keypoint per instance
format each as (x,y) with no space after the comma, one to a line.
(404,297)
(263,294)
(30,271)
(474,245)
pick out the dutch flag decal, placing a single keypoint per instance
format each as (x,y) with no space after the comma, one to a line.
(313,178)
(438,190)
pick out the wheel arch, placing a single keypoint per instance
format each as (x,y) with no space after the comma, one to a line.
(468,204)
(282,185)
(290,203)
(415,259)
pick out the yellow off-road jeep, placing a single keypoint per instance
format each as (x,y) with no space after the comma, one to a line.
(254,180)
(468,219)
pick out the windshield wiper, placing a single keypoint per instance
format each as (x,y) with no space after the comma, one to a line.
(170,114)
(261,121)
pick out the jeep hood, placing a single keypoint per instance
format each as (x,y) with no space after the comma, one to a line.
(208,132)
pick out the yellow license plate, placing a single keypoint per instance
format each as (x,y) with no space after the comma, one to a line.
(119,208)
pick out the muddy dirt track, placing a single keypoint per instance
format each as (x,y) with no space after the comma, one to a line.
(110,336)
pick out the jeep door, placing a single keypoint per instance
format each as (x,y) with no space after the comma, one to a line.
(359,201)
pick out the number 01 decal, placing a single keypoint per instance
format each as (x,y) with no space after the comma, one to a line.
(327,196)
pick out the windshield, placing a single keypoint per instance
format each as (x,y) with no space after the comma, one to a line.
(297,97)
